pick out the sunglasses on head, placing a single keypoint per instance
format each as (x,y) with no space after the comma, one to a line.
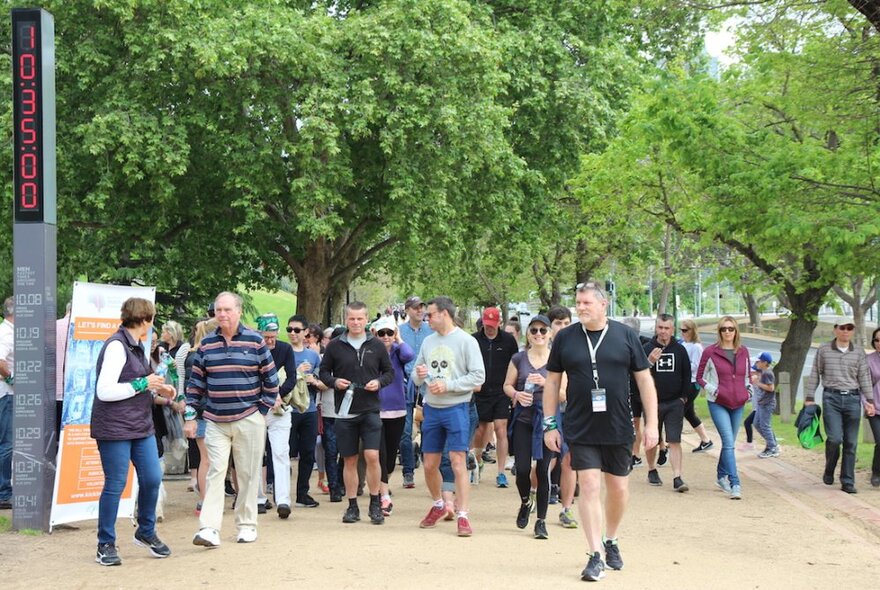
(384,332)
(727,329)
(295,330)
(542,330)
(846,327)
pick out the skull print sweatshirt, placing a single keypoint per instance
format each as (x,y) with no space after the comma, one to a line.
(455,358)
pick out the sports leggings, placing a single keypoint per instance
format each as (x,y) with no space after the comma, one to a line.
(522,447)
(392,430)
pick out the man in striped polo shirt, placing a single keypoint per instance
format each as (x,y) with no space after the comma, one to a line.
(234,380)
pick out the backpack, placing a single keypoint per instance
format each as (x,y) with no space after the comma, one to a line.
(809,430)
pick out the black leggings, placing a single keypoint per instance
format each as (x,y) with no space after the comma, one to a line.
(689,413)
(522,446)
(747,424)
(392,430)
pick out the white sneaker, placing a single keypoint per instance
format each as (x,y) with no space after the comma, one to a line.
(207,537)
(508,465)
(247,534)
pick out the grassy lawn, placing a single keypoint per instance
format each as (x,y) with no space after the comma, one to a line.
(280,303)
(5,524)
(786,434)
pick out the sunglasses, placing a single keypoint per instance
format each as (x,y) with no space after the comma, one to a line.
(385,332)
(685,330)
(727,329)
(295,330)
(534,331)
(846,327)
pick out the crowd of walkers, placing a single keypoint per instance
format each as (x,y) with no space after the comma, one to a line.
(575,406)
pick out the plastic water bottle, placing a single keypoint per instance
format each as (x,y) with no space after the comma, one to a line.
(345,407)
(164,360)
(529,387)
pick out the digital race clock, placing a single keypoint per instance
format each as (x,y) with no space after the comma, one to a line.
(33,79)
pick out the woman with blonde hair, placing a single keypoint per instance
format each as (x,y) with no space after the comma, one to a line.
(200,330)
(690,339)
(724,374)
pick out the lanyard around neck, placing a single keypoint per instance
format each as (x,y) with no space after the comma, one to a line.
(594,350)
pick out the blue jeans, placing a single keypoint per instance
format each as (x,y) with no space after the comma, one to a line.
(407,458)
(841,415)
(6,447)
(115,456)
(331,455)
(763,424)
(727,423)
(303,435)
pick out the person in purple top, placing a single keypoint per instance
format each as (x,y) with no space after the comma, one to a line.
(392,401)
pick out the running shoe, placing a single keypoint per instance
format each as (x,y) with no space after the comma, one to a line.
(352,514)
(430,520)
(408,481)
(509,465)
(595,569)
(875,480)
(490,446)
(654,478)
(230,491)
(636,462)
(679,486)
(153,543)
(261,508)
(566,519)
(487,458)
(501,481)
(541,529)
(323,487)
(464,527)
(704,446)
(387,507)
(769,453)
(375,511)
(207,537)
(471,460)
(306,502)
(662,458)
(612,555)
(724,484)
(107,555)
(522,517)
(247,534)
(736,492)
(554,494)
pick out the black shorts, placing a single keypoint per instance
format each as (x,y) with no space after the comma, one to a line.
(351,431)
(492,406)
(613,459)
(670,417)
(635,402)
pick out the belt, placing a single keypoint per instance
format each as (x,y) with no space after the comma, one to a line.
(842,391)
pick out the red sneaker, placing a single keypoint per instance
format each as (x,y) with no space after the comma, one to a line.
(432,517)
(464,527)
(323,487)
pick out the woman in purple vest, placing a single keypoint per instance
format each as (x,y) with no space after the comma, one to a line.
(122,425)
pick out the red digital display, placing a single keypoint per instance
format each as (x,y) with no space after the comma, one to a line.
(28,120)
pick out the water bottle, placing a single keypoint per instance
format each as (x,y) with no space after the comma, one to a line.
(162,368)
(529,387)
(429,378)
(345,407)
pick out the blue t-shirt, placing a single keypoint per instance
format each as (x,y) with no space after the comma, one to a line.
(312,357)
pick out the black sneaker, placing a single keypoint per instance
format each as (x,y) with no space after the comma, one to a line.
(636,462)
(283,511)
(352,514)
(230,491)
(375,511)
(554,494)
(679,486)
(540,529)
(704,446)
(612,555)
(875,480)
(107,555)
(261,508)
(335,496)
(828,478)
(154,544)
(661,460)
(306,502)
(522,517)
(595,569)
(487,458)
(654,478)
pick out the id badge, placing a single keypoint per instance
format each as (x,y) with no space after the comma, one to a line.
(599,400)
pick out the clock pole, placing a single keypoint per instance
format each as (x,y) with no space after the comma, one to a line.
(34,267)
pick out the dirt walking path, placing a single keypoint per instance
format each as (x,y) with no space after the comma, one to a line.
(789,531)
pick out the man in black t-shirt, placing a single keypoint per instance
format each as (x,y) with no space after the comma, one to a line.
(493,405)
(671,370)
(599,356)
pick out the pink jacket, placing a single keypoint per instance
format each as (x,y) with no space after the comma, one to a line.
(725,384)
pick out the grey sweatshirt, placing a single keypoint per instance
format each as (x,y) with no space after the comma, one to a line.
(456,359)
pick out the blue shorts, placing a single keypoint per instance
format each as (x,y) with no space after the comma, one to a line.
(446,427)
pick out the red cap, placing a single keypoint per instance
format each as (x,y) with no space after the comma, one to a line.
(491,317)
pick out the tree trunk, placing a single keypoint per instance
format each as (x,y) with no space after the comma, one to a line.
(752,307)
(797,342)
(664,297)
(860,305)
